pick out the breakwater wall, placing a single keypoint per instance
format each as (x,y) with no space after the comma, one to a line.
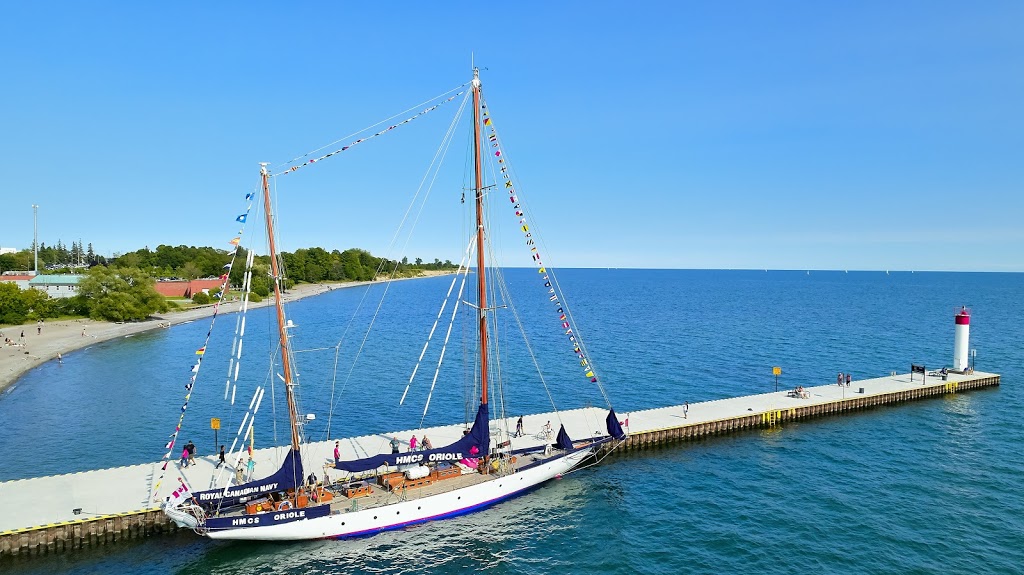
(69,501)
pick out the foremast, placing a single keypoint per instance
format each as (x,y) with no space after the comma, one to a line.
(481,280)
(286,366)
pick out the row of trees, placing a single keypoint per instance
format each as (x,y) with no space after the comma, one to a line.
(125,289)
(304,265)
(52,257)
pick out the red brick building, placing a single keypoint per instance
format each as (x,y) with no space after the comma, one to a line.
(185,288)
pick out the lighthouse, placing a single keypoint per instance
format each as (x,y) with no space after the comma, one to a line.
(961,338)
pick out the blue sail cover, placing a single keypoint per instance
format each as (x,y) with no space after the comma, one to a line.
(614,429)
(478,437)
(287,477)
(563,441)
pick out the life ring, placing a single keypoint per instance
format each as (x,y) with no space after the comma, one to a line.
(284,506)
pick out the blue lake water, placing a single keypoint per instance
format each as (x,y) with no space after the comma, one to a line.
(922,487)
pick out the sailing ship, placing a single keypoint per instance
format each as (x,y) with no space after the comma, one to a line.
(391,489)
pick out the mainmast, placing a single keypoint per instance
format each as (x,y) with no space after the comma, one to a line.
(286,365)
(481,279)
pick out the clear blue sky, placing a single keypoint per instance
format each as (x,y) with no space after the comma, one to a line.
(792,135)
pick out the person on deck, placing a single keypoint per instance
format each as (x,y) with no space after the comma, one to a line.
(412,443)
(184,457)
(220,457)
(849,378)
(519,427)
(250,468)
(337,450)
(394,445)
(425,443)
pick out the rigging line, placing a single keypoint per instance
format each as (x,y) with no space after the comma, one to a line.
(435,166)
(529,348)
(539,238)
(370,137)
(444,346)
(334,381)
(444,304)
(372,126)
(441,152)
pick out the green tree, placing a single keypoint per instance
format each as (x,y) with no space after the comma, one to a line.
(189,271)
(12,307)
(125,294)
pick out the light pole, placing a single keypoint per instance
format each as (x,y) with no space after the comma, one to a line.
(35,236)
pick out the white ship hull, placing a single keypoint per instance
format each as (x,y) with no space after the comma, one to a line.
(341,524)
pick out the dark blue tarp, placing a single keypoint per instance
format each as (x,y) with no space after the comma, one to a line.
(614,429)
(478,437)
(287,477)
(563,441)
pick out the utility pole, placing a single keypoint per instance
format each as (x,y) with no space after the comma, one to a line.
(35,236)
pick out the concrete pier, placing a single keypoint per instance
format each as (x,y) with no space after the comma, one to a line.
(57,513)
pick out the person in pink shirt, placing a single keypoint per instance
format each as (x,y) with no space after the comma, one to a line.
(412,443)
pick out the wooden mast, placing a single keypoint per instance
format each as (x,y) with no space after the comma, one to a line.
(286,365)
(481,279)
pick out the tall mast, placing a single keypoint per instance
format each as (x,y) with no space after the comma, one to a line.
(481,280)
(286,365)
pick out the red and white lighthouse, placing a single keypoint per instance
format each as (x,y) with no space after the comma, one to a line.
(961,338)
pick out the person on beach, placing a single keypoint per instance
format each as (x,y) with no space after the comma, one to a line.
(412,443)
(83,331)
(60,360)
(220,457)
(519,427)
(337,450)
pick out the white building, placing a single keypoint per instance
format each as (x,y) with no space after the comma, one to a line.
(56,285)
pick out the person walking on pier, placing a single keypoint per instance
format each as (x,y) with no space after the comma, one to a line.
(849,378)
(686,409)
(220,456)
(184,457)
(519,427)
(337,450)
(839,379)
(191,449)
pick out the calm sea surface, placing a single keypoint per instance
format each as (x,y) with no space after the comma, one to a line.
(930,486)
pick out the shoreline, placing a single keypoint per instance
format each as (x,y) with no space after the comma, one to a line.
(69,335)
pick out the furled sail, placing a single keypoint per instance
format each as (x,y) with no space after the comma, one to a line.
(614,429)
(287,477)
(474,444)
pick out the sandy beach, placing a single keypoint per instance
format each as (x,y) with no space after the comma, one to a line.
(65,336)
